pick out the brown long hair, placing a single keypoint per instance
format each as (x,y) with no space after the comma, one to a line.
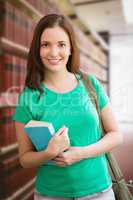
(35,67)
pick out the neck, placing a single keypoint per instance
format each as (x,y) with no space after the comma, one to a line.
(55,77)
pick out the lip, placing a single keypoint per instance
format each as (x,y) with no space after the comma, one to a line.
(54,61)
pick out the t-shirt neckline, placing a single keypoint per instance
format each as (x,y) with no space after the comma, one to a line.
(64,93)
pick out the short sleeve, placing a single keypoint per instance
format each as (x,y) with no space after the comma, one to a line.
(22,113)
(103,99)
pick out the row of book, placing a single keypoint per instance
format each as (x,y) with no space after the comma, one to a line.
(12,176)
(88,47)
(16,26)
(47,8)
(7,127)
(13,70)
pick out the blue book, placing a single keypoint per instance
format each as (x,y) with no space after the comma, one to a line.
(40,133)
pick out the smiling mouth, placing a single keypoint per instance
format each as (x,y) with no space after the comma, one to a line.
(54,61)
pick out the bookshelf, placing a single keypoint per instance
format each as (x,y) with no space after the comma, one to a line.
(11,47)
(27,8)
(93,57)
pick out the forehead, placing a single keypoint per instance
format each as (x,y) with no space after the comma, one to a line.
(54,34)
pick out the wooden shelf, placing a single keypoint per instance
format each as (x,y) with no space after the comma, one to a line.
(86,53)
(27,8)
(97,38)
(66,7)
(28,186)
(12,47)
(8,149)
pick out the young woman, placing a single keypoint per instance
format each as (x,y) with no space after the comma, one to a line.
(54,92)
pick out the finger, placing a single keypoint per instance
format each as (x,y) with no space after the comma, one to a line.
(61,155)
(61,164)
(60,131)
(58,159)
(66,129)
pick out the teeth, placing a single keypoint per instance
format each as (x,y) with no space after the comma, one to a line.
(53,61)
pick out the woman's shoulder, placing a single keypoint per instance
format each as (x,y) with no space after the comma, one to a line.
(27,94)
(93,79)
(25,91)
(89,76)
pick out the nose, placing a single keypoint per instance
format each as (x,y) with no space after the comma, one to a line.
(54,51)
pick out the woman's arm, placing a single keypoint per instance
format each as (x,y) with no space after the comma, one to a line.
(112,139)
(27,154)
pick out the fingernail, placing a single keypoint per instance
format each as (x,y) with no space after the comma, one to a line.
(61,133)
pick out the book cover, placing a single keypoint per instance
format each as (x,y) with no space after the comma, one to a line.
(40,133)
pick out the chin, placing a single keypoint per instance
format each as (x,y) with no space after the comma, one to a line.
(54,67)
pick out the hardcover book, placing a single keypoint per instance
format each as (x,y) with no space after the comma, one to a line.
(40,133)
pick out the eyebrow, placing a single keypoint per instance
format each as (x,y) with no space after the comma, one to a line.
(49,41)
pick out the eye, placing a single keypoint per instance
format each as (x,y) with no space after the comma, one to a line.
(44,45)
(62,45)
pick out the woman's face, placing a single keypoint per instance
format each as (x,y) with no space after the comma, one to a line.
(55,48)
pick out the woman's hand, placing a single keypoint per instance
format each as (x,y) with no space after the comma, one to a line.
(69,157)
(59,142)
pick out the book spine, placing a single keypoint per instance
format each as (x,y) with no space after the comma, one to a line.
(23,72)
(6,68)
(6,34)
(7,127)
(25,30)
(2,19)
(16,26)
(13,69)
(23,38)
(6,19)
(1,72)
(10,21)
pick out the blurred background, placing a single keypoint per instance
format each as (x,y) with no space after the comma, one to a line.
(104,30)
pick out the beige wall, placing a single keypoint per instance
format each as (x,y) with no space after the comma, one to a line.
(121,79)
(121,91)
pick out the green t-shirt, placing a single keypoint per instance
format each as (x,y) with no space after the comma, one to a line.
(75,110)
